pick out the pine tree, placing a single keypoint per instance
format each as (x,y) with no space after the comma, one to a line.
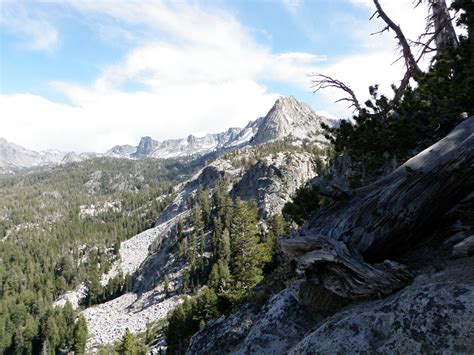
(277,228)
(248,254)
(166,285)
(94,288)
(205,208)
(128,283)
(204,307)
(179,228)
(50,333)
(224,247)
(184,281)
(80,335)
(197,220)
(128,345)
(219,277)
(69,316)
(215,237)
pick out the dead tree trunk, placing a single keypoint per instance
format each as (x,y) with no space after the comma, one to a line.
(385,218)
(443,27)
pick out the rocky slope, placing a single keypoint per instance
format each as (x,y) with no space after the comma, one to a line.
(270,174)
(152,254)
(431,313)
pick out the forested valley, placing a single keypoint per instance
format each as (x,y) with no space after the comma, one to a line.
(63,226)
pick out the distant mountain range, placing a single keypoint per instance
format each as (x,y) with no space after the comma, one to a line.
(287,118)
(14,157)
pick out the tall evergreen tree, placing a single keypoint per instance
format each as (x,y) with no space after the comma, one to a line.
(80,335)
(248,254)
(224,247)
(128,344)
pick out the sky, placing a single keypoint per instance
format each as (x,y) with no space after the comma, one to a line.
(86,75)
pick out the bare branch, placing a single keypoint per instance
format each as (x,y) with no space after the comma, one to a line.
(321,81)
(381,31)
(412,66)
(403,85)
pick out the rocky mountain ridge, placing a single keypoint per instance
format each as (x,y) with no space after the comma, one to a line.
(14,157)
(288,118)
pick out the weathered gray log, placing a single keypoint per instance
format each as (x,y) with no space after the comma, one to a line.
(341,270)
(395,212)
(383,219)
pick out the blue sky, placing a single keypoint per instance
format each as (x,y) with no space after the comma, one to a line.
(86,75)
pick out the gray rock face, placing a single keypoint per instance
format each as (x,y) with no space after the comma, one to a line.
(145,147)
(289,117)
(273,180)
(433,315)
(268,335)
(223,335)
(245,332)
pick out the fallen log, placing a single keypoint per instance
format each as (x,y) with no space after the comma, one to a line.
(395,212)
(383,219)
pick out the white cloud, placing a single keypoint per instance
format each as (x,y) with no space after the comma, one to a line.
(38,32)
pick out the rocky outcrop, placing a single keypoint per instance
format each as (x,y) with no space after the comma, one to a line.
(206,178)
(274,330)
(268,335)
(290,118)
(274,179)
(225,334)
(435,314)
(145,147)
(464,248)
